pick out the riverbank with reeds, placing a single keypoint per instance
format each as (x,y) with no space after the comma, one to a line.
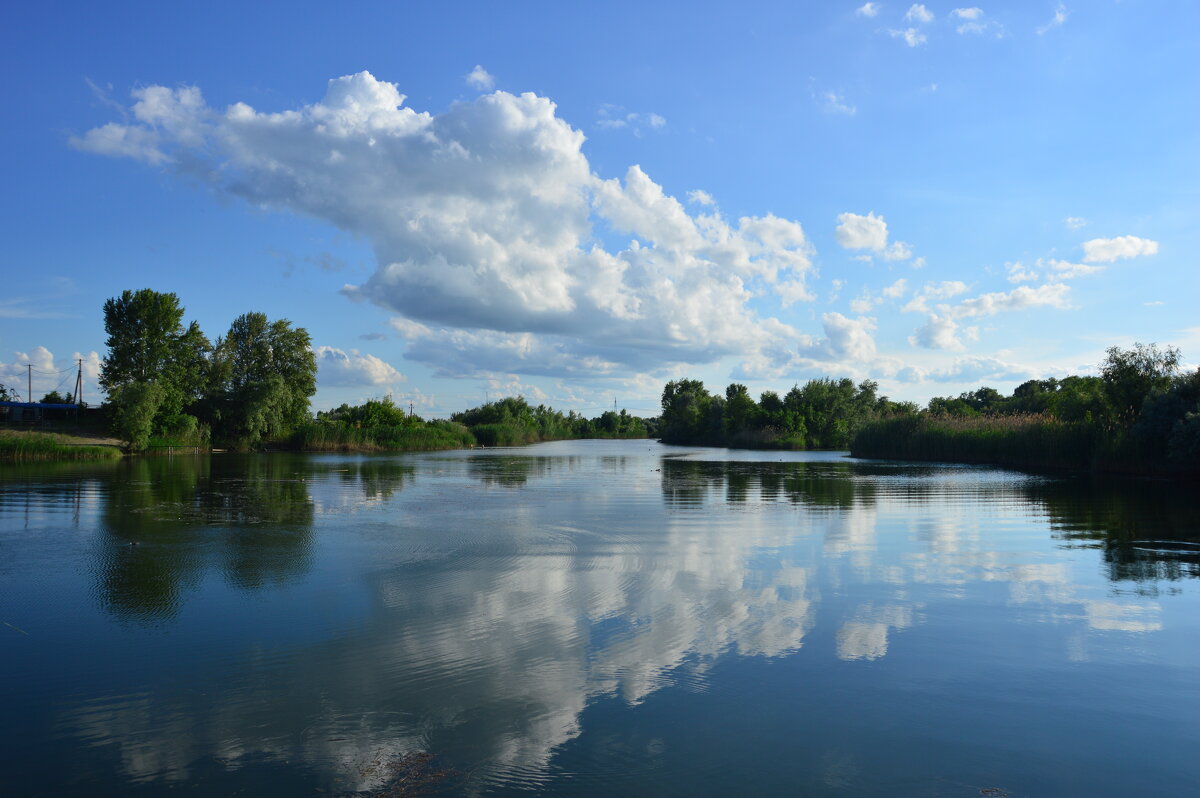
(21,446)
(341,437)
(1032,442)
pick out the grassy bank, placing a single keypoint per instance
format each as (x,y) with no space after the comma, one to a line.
(1034,442)
(39,446)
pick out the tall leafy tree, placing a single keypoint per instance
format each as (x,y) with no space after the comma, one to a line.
(1130,375)
(147,343)
(263,374)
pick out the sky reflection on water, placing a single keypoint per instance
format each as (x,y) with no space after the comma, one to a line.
(590,617)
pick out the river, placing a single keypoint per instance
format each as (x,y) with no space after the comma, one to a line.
(594,618)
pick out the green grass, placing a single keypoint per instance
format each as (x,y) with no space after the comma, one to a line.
(35,446)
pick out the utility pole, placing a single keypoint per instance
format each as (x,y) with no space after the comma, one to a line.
(410,409)
(79,385)
(29,395)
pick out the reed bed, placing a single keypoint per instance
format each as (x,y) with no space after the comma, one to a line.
(338,437)
(1026,441)
(36,446)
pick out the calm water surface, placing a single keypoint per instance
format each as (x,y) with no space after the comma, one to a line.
(594,618)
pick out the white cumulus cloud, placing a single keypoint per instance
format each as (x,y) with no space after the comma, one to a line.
(1107,250)
(352,369)
(478,78)
(918,13)
(867,10)
(911,36)
(869,232)
(481,221)
(942,329)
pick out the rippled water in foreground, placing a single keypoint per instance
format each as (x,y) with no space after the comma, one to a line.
(594,618)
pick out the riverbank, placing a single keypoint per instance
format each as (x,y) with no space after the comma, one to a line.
(25,446)
(1028,442)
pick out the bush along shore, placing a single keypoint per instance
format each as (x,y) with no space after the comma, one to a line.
(1139,417)
(378,425)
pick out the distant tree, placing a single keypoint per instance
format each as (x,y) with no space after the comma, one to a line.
(56,398)
(1131,375)
(262,375)
(8,394)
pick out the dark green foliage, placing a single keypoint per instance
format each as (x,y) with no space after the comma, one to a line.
(8,394)
(147,342)
(135,405)
(260,379)
(1076,423)
(56,398)
(823,414)
(1132,375)
(513,422)
(378,425)
(1030,441)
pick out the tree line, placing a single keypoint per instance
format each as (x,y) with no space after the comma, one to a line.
(822,414)
(1141,414)
(167,383)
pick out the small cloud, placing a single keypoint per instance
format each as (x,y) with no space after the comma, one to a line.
(1019,273)
(867,10)
(478,78)
(896,289)
(1154,304)
(967,13)
(614,117)
(836,103)
(912,37)
(1107,250)
(699,197)
(919,14)
(897,250)
(869,232)
(855,231)
(374,336)
(1075,222)
(1060,16)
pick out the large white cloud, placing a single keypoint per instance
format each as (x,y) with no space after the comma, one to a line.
(338,367)
(481,219)
(1107,250)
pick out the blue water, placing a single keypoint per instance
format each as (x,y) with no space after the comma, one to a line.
(594,618)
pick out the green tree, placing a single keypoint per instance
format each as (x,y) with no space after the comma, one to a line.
(1130,375)
(134,405)
(261,377)
(56,398)
(147,342)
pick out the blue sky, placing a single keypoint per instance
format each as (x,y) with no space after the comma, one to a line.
(578,202)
